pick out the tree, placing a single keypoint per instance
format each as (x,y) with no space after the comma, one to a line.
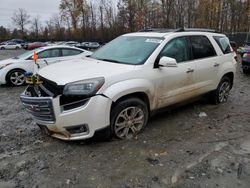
(70,8)
(36,25)
(4,33)
(21,18)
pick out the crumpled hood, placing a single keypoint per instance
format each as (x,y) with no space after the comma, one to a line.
(7,61)
(80,69)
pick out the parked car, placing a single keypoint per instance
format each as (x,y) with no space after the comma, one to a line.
(117,88)
(18,41)
(10,46)
(246,63)
(71,43)
(12,70)
(34,45)
(245,49)
(88,45)
(3,43)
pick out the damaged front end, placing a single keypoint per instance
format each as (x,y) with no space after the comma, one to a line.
(67,117)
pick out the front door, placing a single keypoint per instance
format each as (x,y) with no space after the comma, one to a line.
(48,57)
(175,84)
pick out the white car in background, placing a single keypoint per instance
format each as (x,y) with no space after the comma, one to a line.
(10,46)
(71,43)
(12,70)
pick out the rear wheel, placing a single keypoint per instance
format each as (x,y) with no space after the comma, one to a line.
(245,71)
(16,78)
(221,94)
(17,48)
(128,118)
(2,48)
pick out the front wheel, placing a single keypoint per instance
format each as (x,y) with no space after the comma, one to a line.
(221,94)
(16,78)
(128,118)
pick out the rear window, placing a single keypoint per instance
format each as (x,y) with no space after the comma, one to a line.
(223,43)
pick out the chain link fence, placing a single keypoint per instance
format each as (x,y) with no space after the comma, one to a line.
(240,37)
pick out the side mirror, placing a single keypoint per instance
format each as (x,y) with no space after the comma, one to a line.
(167,62)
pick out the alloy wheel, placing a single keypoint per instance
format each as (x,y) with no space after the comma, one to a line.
(129,122)
(224,92)
(17,78)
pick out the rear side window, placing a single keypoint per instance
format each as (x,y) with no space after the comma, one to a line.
(49,54)
(70,52)
(223,43)
(177,49)
(202,47)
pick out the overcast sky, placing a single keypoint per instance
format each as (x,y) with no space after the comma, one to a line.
(44,8)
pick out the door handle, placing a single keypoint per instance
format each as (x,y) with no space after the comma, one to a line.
(190,70)
(216,65)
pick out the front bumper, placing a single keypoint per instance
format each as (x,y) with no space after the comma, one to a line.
(2,77)
(94,115)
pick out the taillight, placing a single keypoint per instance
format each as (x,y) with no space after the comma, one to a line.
(246,55)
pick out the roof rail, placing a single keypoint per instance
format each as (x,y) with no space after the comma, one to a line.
(197,29)
(159,30)
(166,30)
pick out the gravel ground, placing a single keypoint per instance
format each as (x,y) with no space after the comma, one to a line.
(182,147)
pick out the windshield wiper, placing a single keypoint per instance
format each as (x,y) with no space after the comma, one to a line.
(110,60)
(15,57)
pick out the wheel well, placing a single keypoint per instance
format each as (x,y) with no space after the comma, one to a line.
(6,77)
(230,75)
(140,95)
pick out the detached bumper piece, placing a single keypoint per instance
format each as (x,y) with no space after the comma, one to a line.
(40,108)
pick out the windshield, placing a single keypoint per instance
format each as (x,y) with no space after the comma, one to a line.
(26,54)
(132,50)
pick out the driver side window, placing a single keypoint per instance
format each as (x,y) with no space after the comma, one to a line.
(177,49)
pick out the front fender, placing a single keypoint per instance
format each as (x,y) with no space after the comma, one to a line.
(120,89)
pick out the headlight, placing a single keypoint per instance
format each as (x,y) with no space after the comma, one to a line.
(84,87)
(2,66)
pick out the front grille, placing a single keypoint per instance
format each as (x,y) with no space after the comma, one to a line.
(40,108)
(52,86)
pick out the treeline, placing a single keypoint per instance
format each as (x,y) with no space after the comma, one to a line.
(102,20)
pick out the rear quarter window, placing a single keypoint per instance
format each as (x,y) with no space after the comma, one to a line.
(223,43)
(70,52)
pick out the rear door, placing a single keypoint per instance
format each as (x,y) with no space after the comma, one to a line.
(206,61)
(70,53)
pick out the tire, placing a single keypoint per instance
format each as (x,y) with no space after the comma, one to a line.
(2,48)
(17,48)
(245,71)
(220,95)
(15,78)
(128,118)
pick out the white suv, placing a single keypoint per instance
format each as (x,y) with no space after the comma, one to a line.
(118,87)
